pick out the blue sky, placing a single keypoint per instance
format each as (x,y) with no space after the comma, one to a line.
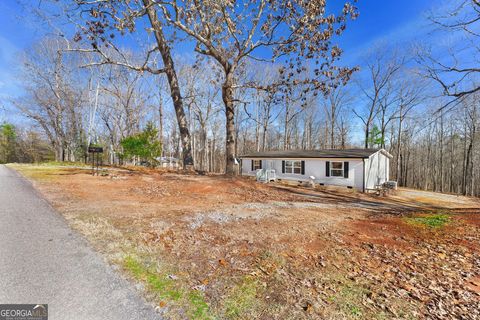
(390,21)
(394,22)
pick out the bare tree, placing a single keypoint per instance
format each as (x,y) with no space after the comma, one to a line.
(337,99)
(230,34)
(202,101)
(124,99)
(106,17)
(409,95)
(54,98)
(451,68)
(381,70)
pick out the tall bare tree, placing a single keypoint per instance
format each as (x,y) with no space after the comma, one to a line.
(119,17)
(336,100)
(230,33)
(381,69)
(54,97)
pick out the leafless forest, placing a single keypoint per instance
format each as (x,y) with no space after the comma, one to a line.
(219,79)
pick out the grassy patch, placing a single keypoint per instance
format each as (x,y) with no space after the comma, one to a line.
(134,267)
(166,289)
(64,164)
(35,172)
(242,298)
(159,284)
(199,309)
(349,299)
(436,220)
(46,172)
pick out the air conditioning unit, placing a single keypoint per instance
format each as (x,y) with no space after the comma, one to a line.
(391,185)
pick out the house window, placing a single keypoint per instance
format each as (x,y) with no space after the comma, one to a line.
(336,169)
(257,164)
(294,167)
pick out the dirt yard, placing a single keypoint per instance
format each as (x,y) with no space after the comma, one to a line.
(212,247)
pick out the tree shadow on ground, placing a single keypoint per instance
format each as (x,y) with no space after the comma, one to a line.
(380,205)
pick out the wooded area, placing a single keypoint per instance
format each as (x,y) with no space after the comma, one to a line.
(260,75)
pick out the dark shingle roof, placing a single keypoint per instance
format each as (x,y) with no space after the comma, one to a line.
(298,154)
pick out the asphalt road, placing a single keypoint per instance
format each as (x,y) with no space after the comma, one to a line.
(43,261)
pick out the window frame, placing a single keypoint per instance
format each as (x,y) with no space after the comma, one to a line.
(291,165)
(257,164)
(332,169)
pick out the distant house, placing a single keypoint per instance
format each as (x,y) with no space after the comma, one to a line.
(169,162)
(362,169)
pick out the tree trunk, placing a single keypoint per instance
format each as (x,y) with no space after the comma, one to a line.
(332,131)
(59,153)
(441,151)
(465,161)
(367,129)
(257,129)
(173,82)
(160,121)
(399,146)
(452,159)
(227,97)
(264,136)
(285,128)
(472,147)
(468,163)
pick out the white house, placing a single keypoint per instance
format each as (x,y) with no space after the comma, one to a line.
(362,169)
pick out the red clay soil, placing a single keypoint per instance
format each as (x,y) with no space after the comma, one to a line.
(314,254)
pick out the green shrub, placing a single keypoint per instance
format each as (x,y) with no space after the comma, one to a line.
(144,145)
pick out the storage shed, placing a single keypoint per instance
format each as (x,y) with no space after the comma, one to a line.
(362,169)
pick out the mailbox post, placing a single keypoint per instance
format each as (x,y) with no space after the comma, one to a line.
(95,151)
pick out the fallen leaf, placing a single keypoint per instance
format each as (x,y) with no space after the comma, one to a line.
(222,262)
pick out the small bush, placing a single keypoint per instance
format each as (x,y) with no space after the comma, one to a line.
(144,145)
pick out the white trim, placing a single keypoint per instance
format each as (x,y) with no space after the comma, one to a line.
(385,153)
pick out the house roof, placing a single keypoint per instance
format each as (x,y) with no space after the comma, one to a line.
(327,153)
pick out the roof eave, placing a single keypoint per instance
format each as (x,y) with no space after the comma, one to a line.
(386,153)
(291,157)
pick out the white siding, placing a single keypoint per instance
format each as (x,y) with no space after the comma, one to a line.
(313,167)
(377,170)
